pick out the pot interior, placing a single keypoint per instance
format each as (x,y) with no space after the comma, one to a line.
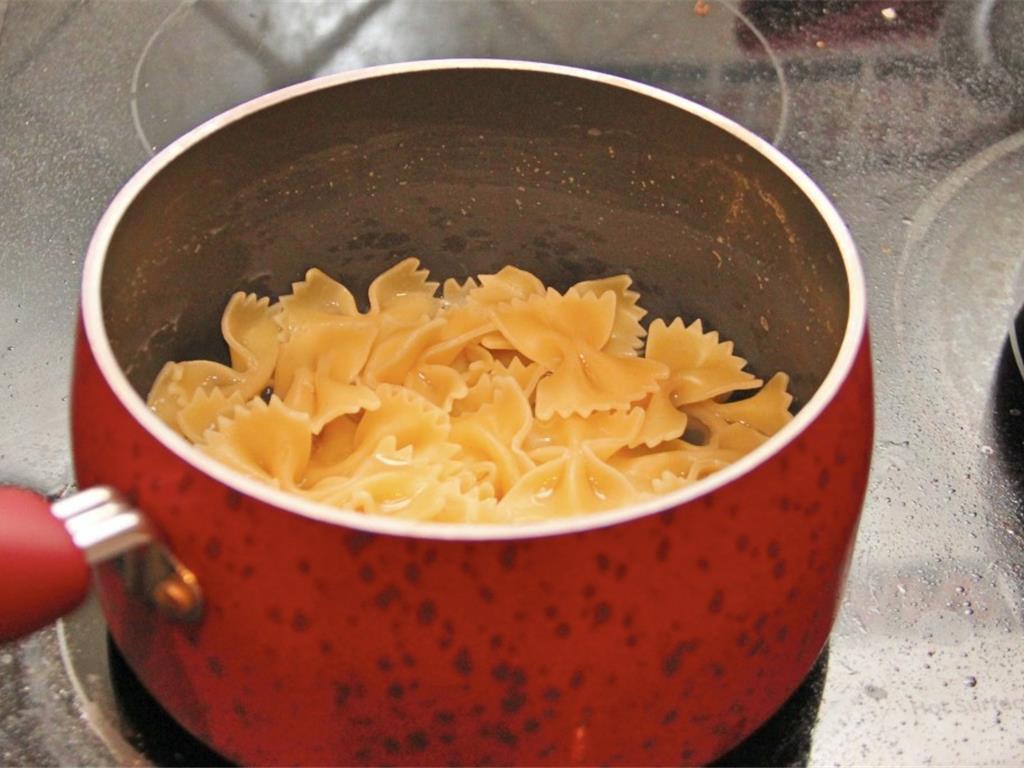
(469,170)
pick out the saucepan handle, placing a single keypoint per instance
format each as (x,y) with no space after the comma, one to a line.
(46,550)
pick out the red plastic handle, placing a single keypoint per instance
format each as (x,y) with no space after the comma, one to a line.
(43,575)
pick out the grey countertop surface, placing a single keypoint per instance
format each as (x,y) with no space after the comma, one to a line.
(908,114)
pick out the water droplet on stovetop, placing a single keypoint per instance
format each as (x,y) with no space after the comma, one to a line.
(970,681)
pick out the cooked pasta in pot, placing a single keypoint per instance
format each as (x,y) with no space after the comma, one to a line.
(501,400)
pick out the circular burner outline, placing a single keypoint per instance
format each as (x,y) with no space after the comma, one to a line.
(781,126)
(925,217)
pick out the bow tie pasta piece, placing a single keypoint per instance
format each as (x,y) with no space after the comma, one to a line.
(627,334)
(573,484)
(700,367)
(603,433)
(671,465)
(252,337)
(330,449)
(408,418)
(318,365)
(456,294)
(662,421)
(434,375)
(767,411)
(316,299)
(404,293)
(506,284)
(398,349)
(203,411)
(442,385)
(267,441)
(494,434)
(476,504)
(565,334)
(391,481)
(177,384)
(462,327)
(745,424)
(251,333)
(482,375)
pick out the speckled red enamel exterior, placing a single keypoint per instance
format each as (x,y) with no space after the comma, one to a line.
(659,641)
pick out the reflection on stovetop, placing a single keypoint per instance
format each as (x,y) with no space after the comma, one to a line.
(784,740)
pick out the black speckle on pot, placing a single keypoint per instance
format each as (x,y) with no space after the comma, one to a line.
(387,596)
(300,621)
(358,541)
(602,613)
(562,629)
(213,548)
(342,693)
(412,573)
(416,741)
(513,702)
(661,553)
(396,690)
(671,663)
(463,662)
(426,612)
(507,556)
(715,603)
(505,736)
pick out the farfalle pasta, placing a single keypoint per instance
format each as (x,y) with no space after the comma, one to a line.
(499,400)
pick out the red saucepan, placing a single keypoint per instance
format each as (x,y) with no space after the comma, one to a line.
(281,631)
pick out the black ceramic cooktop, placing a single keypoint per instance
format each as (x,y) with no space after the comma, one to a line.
(908,114)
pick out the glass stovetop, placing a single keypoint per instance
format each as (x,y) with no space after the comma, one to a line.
(910,115)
